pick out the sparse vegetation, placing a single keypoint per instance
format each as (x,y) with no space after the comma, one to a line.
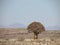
(12,37)
(42,41)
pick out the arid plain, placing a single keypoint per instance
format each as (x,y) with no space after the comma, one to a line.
(21,36)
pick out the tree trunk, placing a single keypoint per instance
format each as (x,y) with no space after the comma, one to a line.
(35,36)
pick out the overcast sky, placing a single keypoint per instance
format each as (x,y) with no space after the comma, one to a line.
(26,11)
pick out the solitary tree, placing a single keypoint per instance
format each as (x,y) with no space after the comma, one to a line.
(36,28)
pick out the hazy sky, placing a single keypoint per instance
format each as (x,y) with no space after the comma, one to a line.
(26,11)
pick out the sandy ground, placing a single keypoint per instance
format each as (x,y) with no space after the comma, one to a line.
(22,37)
(45,41)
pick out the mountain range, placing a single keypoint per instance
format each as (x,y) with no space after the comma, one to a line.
(17,25)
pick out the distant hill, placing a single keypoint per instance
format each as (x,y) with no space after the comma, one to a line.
(16,25)
(1,26)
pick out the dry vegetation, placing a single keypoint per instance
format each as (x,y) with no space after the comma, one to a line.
(45,41)
(17,36)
